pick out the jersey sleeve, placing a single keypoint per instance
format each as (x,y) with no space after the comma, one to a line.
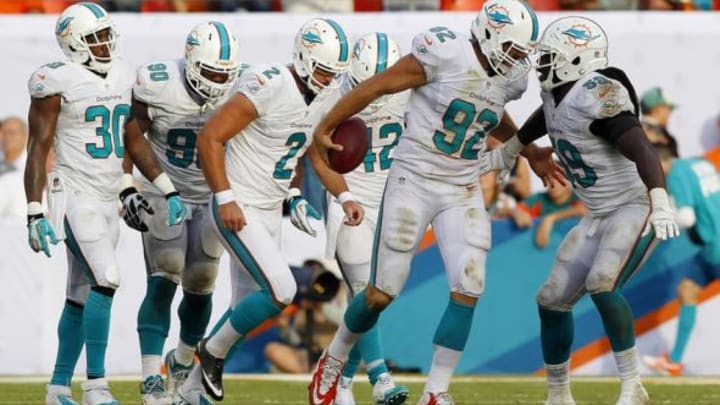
(432,48)
(602,97)
(680,183)
(47,80)
(258,88)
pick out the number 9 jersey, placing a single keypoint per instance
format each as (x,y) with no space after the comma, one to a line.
(177,119)
(89,133)
(449,118)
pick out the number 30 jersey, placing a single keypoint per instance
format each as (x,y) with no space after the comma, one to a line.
(385,124)
(260,161)
(176,122)
(89,133)
(602,177)
(449,118)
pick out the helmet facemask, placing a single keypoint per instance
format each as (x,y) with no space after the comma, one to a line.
(510,60)
(83,44)
(307,74)
(210,82)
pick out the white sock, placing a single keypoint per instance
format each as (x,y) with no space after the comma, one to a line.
(558,375)
(223,340)
(184,353)
(343,342)
(443,365)
(150,365)
(627,365)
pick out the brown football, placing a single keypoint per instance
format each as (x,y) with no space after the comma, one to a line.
(352,134)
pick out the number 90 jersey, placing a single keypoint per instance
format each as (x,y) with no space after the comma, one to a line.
(89,132)
(385,124)
(602,177)
(260,161)
(176,122)
(449,118)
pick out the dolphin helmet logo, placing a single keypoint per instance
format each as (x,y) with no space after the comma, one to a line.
(63,26)
(311,37)
(498,16)
(579,35)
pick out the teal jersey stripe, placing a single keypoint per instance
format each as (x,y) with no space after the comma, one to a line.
(382,45)
(95,9)
(342,38)
(224,40)
(535,25)
(74,247)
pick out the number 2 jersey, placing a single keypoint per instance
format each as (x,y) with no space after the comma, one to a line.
(385,123)
(177,119)
(260,161)
(602,177)
(89,133)
(449,118)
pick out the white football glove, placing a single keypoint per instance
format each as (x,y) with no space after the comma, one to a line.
(300,210)
(662,217)
(502,158)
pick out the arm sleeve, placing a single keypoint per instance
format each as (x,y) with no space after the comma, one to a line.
(533,128)
(634,145)
(611,128)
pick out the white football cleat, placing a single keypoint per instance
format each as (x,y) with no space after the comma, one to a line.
(345,393)
(633,393)
(97,392)
(439,398)
(559,396)
(385,392)
(59,395)
(153,392)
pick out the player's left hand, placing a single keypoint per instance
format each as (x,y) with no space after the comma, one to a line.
(300,210)
(177,212)
(133,203)
(39,231)
(662,217)
(354,213)
(323,141)
(542,163)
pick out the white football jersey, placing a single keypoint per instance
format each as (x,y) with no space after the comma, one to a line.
(260,161)
(449,118)
(602,177)
(89,134)
(385,124)
(177,119)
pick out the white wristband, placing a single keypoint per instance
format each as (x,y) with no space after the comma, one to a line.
(659,198)
(126,181)
(163,183)
(345,196)
(293,192)
(513,146)
(34,208)
(224,197)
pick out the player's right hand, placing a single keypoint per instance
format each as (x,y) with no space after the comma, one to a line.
(354,213)
(232,216)
(39,231)
(133,203)
(323,141)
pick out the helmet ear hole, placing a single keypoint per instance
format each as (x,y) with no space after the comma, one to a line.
(576,61)
(487,34)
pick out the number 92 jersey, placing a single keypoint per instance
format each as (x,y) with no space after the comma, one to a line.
(176,122)
(449,118)
(602,177)
(89,133)
(260,161)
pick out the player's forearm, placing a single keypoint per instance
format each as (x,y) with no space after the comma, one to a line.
(333,181)
(212,160)
(634,145)
(534,128)
(35,174)
(140,151)
(505,130)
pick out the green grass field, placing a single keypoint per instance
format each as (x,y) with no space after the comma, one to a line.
(466,391)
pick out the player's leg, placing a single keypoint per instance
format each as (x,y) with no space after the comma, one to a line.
(164,249)
(257,250)
(354,253)
(622,250)
(91,228)
(462,231)
(404,215)
(198,281)
(563,288)
(70,335)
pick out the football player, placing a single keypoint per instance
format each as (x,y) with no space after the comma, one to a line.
(79,106)
(460,86)
(172,100)
(694,184)
(352,245)
(590,113)
(248,151)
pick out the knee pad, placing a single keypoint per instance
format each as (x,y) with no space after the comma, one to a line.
(110,277)
(602,280)
(199,277)
(210,243)
(168,262)
(354,244)
(472,275)
(476,229)
(400,232)
(284,289)
(550,296)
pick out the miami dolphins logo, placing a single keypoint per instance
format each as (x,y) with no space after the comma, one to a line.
(311,37)
(498,16)
(579,35)
(63,26)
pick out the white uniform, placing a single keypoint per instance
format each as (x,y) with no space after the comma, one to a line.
(89,150)
(603,251)
(435,173)
(260,163)
(176,119)
(353,244)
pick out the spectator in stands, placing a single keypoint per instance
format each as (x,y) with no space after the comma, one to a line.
(555,204)
(656,110)
(497,203)
(14,141)
(318,6)
(710,133)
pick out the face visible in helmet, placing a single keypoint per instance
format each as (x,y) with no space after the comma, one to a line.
(99,44)
(324,77)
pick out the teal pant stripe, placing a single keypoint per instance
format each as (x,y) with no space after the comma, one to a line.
(74,247)
(376,240)
(639,252)
(241,252)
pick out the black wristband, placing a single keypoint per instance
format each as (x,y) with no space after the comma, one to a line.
(127,192)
